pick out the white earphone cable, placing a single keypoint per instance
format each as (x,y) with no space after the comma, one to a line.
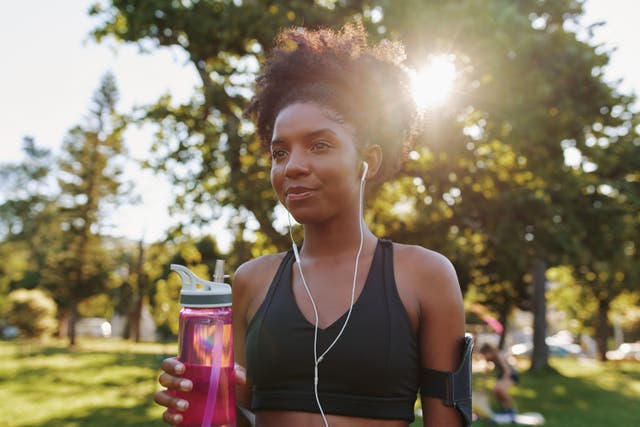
(317,359)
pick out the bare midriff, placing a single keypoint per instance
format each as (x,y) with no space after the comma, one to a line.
(297,419)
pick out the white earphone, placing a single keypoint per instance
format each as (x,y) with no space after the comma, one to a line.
(365,166)
(317,359)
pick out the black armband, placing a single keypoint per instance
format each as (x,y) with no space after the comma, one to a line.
(454,388)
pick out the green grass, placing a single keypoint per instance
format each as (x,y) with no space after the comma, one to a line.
(98,384)
(103,383)
(577,392)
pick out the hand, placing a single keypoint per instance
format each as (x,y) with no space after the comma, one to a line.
(240,374)
(171,379)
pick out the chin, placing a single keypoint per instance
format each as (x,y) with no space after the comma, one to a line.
(305,215)
(301,217)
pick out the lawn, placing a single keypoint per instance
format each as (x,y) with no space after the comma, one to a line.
(104,383)
(577,393)
(98,384)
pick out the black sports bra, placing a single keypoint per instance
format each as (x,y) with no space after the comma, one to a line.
(372,371)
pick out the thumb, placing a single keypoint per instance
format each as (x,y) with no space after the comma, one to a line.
(241,374)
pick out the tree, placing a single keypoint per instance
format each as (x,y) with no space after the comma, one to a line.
(529,89)
(32,311)
(141,268)
(205,146)
(90,182)
(28,214)
(487,184)
(609,209)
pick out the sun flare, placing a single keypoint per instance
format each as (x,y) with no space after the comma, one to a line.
(431,85)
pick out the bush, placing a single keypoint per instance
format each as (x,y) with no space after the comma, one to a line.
(32,311)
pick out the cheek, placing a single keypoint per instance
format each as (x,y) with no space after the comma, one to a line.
(276,181)
(343,187)
(349,175)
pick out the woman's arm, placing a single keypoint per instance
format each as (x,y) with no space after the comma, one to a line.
(441,326)
(250,285)
(241,298)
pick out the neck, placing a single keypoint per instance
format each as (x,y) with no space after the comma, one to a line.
(335,239)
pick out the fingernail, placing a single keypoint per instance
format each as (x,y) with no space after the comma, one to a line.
(177,418)
(182,405)
(241,374)
(179,368)
(185,385)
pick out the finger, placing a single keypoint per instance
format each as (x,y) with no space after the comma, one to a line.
(175,383)
(170,418)
(240,374)
(173,366)
(163,398)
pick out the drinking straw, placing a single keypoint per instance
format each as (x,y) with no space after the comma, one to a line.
(214,379)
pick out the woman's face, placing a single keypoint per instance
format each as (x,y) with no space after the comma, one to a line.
(315,168)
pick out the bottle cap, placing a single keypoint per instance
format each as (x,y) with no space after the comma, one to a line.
(197,292)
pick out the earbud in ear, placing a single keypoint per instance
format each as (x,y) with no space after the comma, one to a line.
(365,168)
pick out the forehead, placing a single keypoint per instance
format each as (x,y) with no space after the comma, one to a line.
(302,118)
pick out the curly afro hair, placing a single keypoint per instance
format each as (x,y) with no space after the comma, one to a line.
(366,86)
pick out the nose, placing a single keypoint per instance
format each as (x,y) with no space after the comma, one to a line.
(297,164)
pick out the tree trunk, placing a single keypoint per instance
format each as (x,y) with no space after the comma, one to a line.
(73,318)
(134,319)
(63,321)
(540,357)
(602,332)
(136,310)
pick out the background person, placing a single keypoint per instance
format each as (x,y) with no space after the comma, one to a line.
(506,377)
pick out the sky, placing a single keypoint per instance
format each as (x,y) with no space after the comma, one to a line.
(51,67)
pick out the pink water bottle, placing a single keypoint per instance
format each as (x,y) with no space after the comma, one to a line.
(205,346)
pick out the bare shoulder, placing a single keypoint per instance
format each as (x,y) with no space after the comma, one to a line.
(430,281)
(427,274)
(429,268)
(258,267)
(251,282)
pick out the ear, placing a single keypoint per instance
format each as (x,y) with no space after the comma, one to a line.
(373,156)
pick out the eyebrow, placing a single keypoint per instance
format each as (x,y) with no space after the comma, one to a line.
(309,135)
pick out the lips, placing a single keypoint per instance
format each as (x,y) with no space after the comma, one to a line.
(298,192)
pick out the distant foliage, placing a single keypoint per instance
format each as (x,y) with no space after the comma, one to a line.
(32,311)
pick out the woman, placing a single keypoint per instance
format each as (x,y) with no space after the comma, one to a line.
(343,329)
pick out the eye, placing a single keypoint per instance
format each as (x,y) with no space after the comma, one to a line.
(278,154)
(320,145)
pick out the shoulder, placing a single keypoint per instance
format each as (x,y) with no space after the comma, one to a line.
(258,266)
(429,276)
(255,272)
(431,281)
(423,258)
(428,269)
(251,282)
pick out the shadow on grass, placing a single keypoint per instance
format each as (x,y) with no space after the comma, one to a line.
(80,387)
(77,368)
(141,415)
